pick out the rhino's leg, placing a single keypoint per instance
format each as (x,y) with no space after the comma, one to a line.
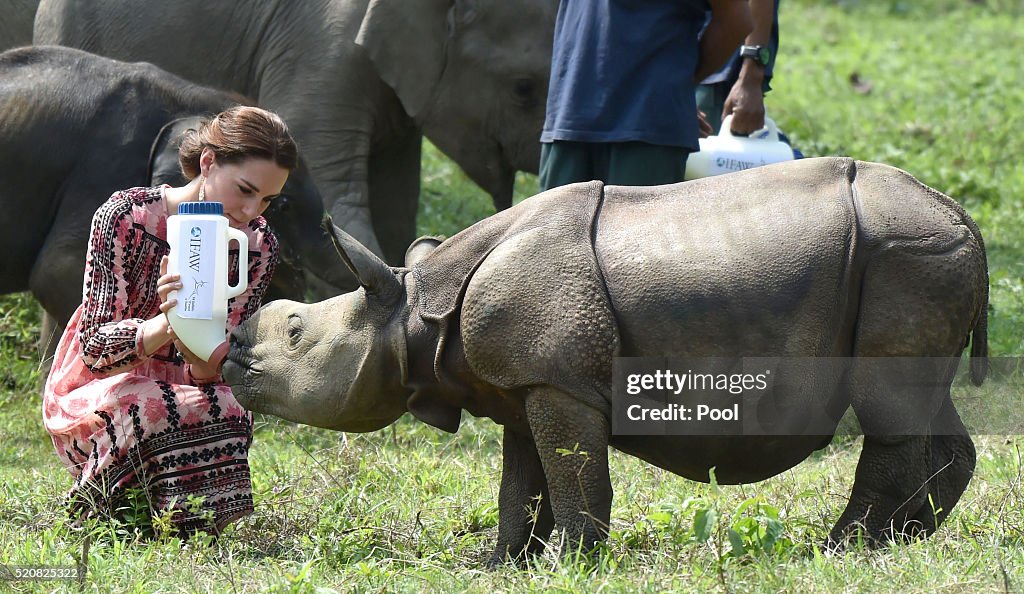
(953,460)
(896,401)
(572,441)
(524,506)
(888,490)
(917,305)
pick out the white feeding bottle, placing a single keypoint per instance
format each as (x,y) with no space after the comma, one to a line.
(199,236)
(727,152)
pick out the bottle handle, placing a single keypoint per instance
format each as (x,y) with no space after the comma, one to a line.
(243,262)
(769,125)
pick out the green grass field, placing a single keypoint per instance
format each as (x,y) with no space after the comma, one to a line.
(410,508)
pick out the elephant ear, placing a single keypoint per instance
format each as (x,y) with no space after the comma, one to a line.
(372,273)
(405,40)
(163,167)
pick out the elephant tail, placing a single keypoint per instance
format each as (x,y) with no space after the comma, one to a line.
(979,333)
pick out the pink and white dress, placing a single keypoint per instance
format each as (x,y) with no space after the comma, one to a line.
(121,417)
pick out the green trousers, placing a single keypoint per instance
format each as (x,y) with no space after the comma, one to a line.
(620,163)
(711,100)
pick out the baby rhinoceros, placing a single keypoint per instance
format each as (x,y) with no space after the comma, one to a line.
(519,317)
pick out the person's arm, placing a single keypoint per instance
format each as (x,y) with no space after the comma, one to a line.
(729,25)
(111,342)
(746,98)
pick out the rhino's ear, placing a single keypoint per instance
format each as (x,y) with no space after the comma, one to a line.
(372,273)
(420,248)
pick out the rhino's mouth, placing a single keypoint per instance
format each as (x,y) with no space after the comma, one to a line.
(244,375)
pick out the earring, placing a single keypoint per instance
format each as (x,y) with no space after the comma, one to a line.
(202,188)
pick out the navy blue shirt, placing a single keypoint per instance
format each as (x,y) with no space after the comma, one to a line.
(622,70)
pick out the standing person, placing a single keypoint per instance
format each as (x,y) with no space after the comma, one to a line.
(738,88)
(621,104)
(126,404)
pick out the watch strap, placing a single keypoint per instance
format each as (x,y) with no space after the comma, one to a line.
(760,54)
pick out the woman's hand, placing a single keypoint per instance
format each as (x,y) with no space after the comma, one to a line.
(201,370)
(164,285)
(156,332)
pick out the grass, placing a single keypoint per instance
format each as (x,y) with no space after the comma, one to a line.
(412,509)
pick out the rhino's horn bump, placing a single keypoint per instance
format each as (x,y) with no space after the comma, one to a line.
(373,274)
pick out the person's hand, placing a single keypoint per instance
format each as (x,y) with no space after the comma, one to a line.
(164,285)
(156,332)
(201,370)
(746,104)
(704,129)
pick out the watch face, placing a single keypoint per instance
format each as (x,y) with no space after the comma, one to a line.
(758,53)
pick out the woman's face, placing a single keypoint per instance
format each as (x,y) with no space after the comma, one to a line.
(246,189)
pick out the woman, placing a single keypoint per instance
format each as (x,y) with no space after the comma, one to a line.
(126,404)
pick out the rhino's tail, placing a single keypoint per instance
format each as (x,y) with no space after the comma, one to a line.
(979,347)
(979,333)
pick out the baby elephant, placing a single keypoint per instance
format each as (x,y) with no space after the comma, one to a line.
(519,318)
(76,127)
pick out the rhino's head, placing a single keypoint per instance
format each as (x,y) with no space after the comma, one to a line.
(339,364)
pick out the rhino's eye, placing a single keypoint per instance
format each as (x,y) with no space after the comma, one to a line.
(294,331)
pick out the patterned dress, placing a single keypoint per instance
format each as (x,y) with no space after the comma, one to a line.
(120,417)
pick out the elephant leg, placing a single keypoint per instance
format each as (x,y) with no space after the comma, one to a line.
(524,507)
(50,330)
(354,217)
(572,441)
(394,177)
(953,461)
(56,282)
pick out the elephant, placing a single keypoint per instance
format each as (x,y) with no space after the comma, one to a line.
(76,127)
(522,317)
(358,81)
(16,24)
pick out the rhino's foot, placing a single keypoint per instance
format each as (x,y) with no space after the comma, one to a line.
(573,552)
(859,536)
(503,556)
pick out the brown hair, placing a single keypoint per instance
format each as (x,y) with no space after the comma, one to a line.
(237,134)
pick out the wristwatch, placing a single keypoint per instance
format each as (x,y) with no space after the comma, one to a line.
(760,54)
